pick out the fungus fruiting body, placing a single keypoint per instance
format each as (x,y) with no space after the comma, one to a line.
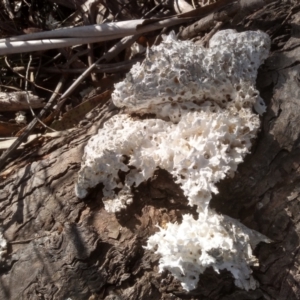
(202,100)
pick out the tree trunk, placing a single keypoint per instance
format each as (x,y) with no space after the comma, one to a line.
(61,247)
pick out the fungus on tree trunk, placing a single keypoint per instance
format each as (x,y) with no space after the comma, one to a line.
(204,122)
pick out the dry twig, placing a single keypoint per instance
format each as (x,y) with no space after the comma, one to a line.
(15,101)
(28,96)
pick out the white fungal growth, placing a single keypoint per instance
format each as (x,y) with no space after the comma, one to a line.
(213,241)
(180,76)
(198,151)
(200,128)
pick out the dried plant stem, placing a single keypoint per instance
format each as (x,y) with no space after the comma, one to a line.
(100,68)
(28,96)
(9,152)
(74,36)
(204,41)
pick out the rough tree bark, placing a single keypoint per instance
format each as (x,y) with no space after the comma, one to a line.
(61,247)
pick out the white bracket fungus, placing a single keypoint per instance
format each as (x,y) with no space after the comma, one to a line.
(203,102)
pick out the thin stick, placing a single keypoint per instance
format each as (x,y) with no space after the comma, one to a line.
(27,96)
(204,41)
(90,59)
(23,77)
(193,3)
(100,68)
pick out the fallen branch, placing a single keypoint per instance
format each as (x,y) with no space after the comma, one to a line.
(15,101)
(66,37)
(225,11)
